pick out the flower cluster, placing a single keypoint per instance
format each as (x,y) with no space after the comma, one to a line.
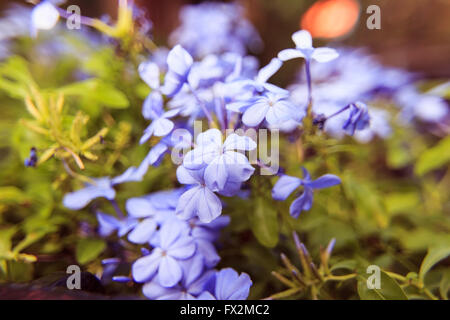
(207,110)
(179,228)
(357,76)
(214,28)
(181,225)
(180,264)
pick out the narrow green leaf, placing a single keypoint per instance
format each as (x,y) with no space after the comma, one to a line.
(433,158)
(88,249)
(264,223)
(433,256)
(389,288)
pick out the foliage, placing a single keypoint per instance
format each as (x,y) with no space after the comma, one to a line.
(82,113)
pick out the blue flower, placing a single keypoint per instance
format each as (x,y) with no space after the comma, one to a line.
(165,260)
(199,200)
(213,28)
(287,184)
(259,84)
(44,16)
(425,106)
(193,284)
(152,108)
(205,234)
(358,119)
(32,160)
(276,109)
(304,49)
(155,209)
(109,224)
(149,72)
(179,62)
(221,161)
(103,187)
(230,285)
(160,126)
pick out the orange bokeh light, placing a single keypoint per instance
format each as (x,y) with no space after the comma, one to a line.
(331,18)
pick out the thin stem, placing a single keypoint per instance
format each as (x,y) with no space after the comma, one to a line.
(308,80)
(338,112)
(340,278)
(429,294)
(117,208)
(75,175)
(203,106)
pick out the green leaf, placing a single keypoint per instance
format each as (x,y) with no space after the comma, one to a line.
(5,242)
(10,195)
(433,256)
(99,92)
(111,97)
(444,286)
(389,288)
(264,223)
(88,249)
(345,264)
(15,77)
(399,202)
(433,158)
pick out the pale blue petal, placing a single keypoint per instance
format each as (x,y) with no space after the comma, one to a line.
(143,231)
(254,115)
(107,224)
(169,233)
(302,39)
(79,199)
(202,283)
(192,269)
(188,203)
(145,268)
(155,291)
(216,174)
(274,89)
(183,248)
(238,166)
(148,133)
(210,136)
(169,272)
(149,72)
(153,106)
(154,155)
(206,296)
(172,84)
(232,286)
(209,206)
(236,142)
(288,54)
(184,176)
(302,203)
(200,157)
(324,54)
(126,225)
(324,181)
(280,112)
(179,60)
(162,127)
(285,186)
(207,250)
(269,70)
